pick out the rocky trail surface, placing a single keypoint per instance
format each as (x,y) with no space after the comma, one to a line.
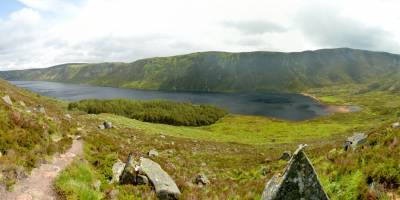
(39,185)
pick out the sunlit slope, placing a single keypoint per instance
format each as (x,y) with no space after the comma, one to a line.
(231,72)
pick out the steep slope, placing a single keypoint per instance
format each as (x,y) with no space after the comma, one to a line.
(228,72)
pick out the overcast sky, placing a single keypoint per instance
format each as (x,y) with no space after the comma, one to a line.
(42,33)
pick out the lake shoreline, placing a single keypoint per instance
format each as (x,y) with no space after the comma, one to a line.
(285,106)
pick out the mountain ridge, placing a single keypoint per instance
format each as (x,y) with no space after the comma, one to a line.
(228,72)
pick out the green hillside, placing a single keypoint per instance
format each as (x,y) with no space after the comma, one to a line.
(231,72)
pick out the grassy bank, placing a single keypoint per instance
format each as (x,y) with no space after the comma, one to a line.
(29,137)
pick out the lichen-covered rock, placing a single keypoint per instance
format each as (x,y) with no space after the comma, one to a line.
(164,185)
(299,181)
(356,140)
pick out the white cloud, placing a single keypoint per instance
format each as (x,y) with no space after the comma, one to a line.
(50,32)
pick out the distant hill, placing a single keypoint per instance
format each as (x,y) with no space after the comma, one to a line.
(230,72)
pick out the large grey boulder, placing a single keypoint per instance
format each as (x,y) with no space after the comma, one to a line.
(356,140)
(117,170)
(299,181)
(164,185)
(7,100)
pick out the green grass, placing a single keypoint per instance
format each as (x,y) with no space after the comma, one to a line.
(76,182)
(249,129)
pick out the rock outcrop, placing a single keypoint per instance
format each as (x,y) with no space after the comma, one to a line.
(299,181)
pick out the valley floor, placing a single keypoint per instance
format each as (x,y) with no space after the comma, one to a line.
(240,153)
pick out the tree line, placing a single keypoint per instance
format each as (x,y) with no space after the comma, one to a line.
(155,111)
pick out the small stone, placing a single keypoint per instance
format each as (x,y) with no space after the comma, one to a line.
(203,164)
(113,194)
(68,116)
(7,100)
(96,185)
(285,156)
(102,127)
(107,125)
(22,103)
(40,109)
(356,140)
(153,153)
(201,179)
(162,136)
(396,125)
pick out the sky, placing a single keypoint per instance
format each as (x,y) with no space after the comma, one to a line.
(44,33)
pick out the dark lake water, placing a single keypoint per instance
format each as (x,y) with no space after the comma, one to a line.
(277,105)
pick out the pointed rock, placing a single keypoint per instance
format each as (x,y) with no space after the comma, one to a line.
(299,181)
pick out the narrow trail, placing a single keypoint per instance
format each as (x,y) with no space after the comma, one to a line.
(39,185)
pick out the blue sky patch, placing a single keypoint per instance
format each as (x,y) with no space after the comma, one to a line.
(9,6)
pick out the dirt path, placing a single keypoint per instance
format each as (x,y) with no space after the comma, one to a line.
(39,186)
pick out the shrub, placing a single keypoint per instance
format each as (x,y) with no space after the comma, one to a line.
(156,111)
(388,173)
